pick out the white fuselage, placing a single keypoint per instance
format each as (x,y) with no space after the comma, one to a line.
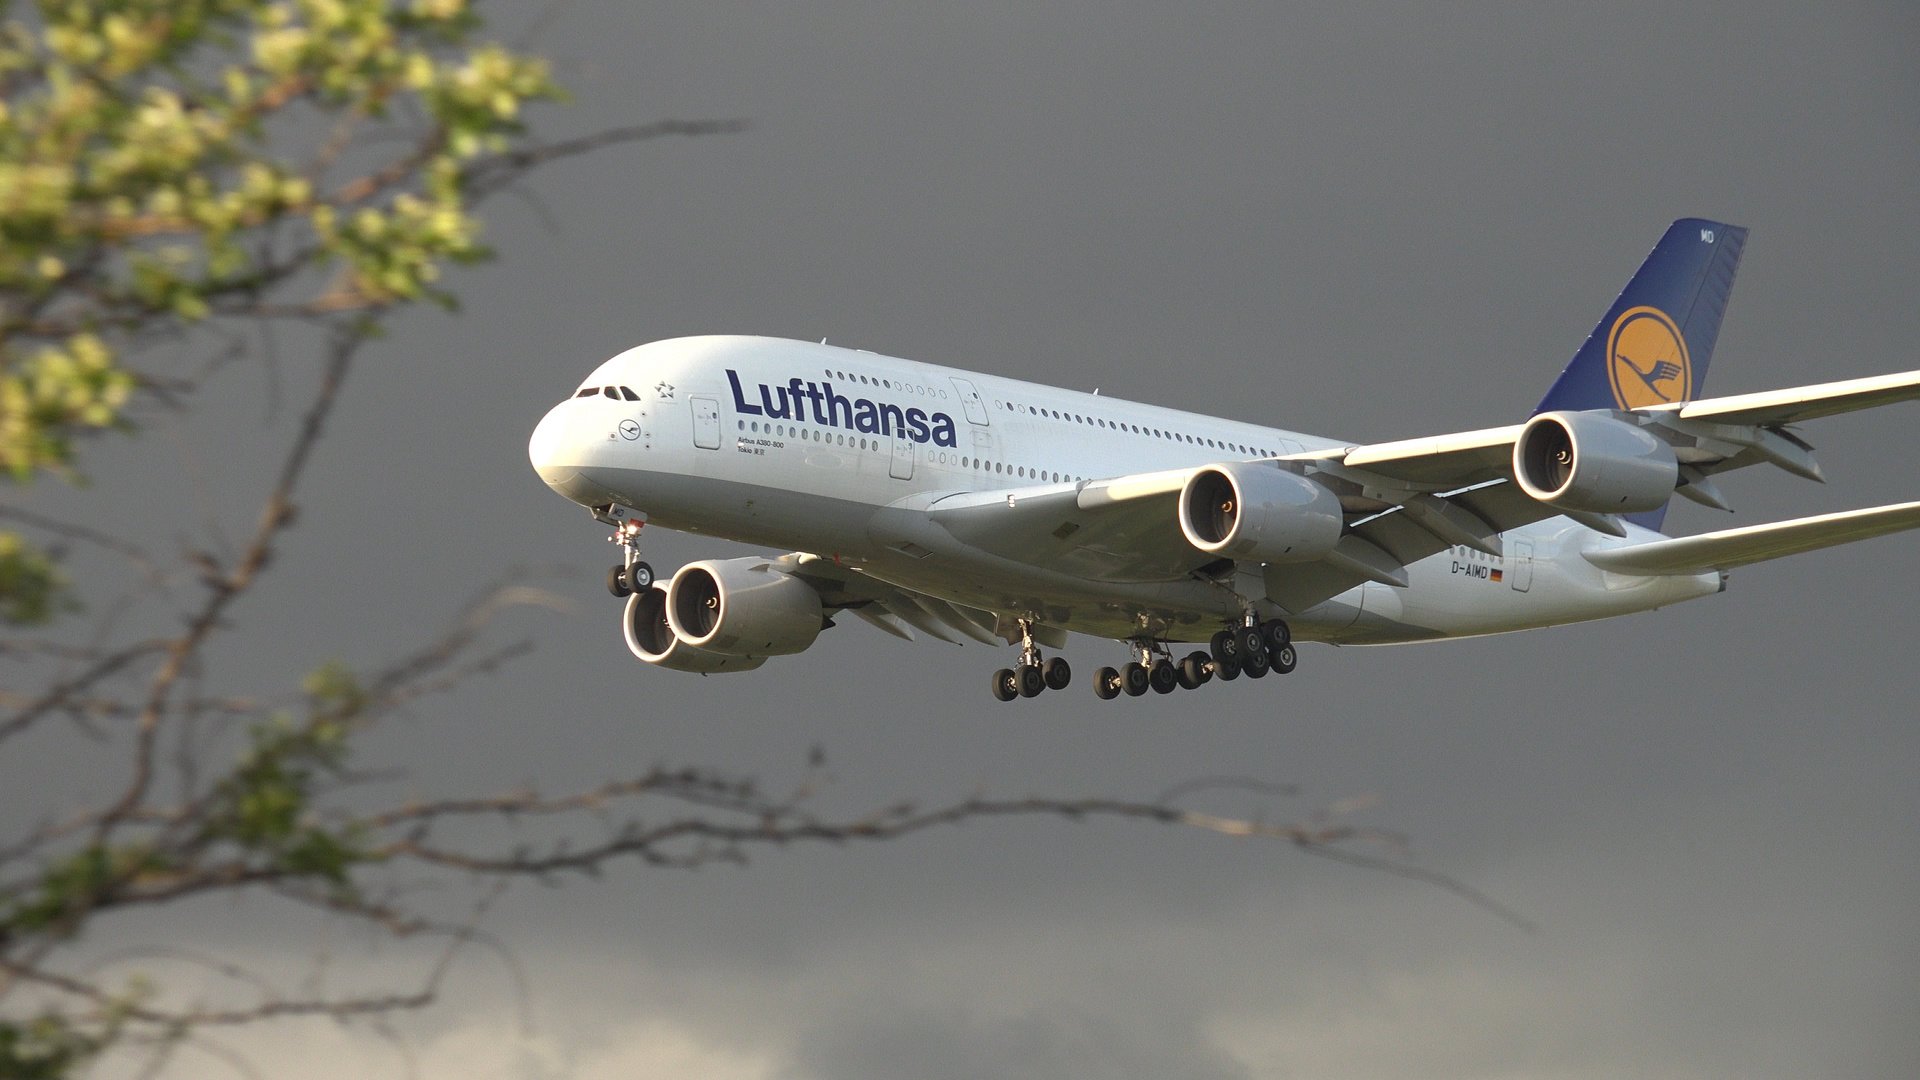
(796,445)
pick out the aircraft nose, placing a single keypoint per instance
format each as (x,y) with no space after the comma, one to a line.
(548,444)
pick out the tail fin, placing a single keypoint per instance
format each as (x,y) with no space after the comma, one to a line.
(1656,340)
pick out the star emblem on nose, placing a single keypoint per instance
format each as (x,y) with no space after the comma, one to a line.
(664,389)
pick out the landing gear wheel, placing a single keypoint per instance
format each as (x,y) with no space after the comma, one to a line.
(1133,679)
(1106,684)
(1162,676)
(1285,659)
(1276,635)
(1252,641)
(1031,681)
(1253,660)
(1194,671)
(617,582)
(1226,651)
(1005,686)
(1057,673)
(639,577)
(1226,672)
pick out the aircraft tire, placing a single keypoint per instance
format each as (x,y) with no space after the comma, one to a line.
(1253,662)
(1276,635)
(1133,678)
(639,577)
(1194,671)
(617,582)
(1005,686)
(1253,640)
(1163,677)
(1106,684)
(1058,673)
(1225,648)
(1285,659)
(1032,683)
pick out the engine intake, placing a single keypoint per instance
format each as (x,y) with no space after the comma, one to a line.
(650,638)
(1248,510)
(742,607)
(1593,463)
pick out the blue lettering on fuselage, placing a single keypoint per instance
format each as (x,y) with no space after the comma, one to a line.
(835,410)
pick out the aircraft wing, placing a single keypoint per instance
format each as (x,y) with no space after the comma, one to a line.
(1402,500)
(1730,548)
(893,609)
(1120,529)
(1791,406)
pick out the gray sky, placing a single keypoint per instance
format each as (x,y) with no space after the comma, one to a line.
(1359,222)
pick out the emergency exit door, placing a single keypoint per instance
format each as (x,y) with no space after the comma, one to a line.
(1522,565)
(902,468)
(706,422)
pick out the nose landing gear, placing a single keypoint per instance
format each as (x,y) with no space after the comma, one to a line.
(630,575)
(1031,677)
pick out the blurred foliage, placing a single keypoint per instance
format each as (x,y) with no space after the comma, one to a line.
(165,162)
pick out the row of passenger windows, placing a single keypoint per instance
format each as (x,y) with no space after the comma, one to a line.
(617,393)
(1115,425)
(940,457)
(888,384)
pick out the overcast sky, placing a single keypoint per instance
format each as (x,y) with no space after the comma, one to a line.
(1353,221)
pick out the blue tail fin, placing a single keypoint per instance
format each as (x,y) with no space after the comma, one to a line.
(1656,340)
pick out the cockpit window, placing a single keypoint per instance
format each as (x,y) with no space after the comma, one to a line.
(611,392)
(588,392)
(628,394)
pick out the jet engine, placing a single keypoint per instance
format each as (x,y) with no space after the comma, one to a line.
(650,638)
(742,607)
(1594,463)
(1246,510)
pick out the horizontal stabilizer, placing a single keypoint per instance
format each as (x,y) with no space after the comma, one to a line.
(1729,548)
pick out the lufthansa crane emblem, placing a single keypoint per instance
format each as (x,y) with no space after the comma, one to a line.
(1647,359)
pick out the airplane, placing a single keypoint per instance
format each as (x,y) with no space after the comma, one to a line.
(968,506)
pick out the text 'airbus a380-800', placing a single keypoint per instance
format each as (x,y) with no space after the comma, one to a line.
(965,505)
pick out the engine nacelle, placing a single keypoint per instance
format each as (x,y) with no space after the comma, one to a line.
(1592,462)
(742,607)
(650,638)
(1246,510)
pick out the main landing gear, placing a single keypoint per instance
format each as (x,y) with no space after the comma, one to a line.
(630,575)
(1031,677)
(1251,650)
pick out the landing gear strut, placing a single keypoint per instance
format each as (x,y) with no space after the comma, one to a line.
(630,575)
(1032,676)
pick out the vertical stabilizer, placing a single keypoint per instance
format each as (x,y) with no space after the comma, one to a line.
(1655,342)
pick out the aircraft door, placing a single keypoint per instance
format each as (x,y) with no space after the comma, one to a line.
(706,422)
(902,468)
(1522,569)
(970,401)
